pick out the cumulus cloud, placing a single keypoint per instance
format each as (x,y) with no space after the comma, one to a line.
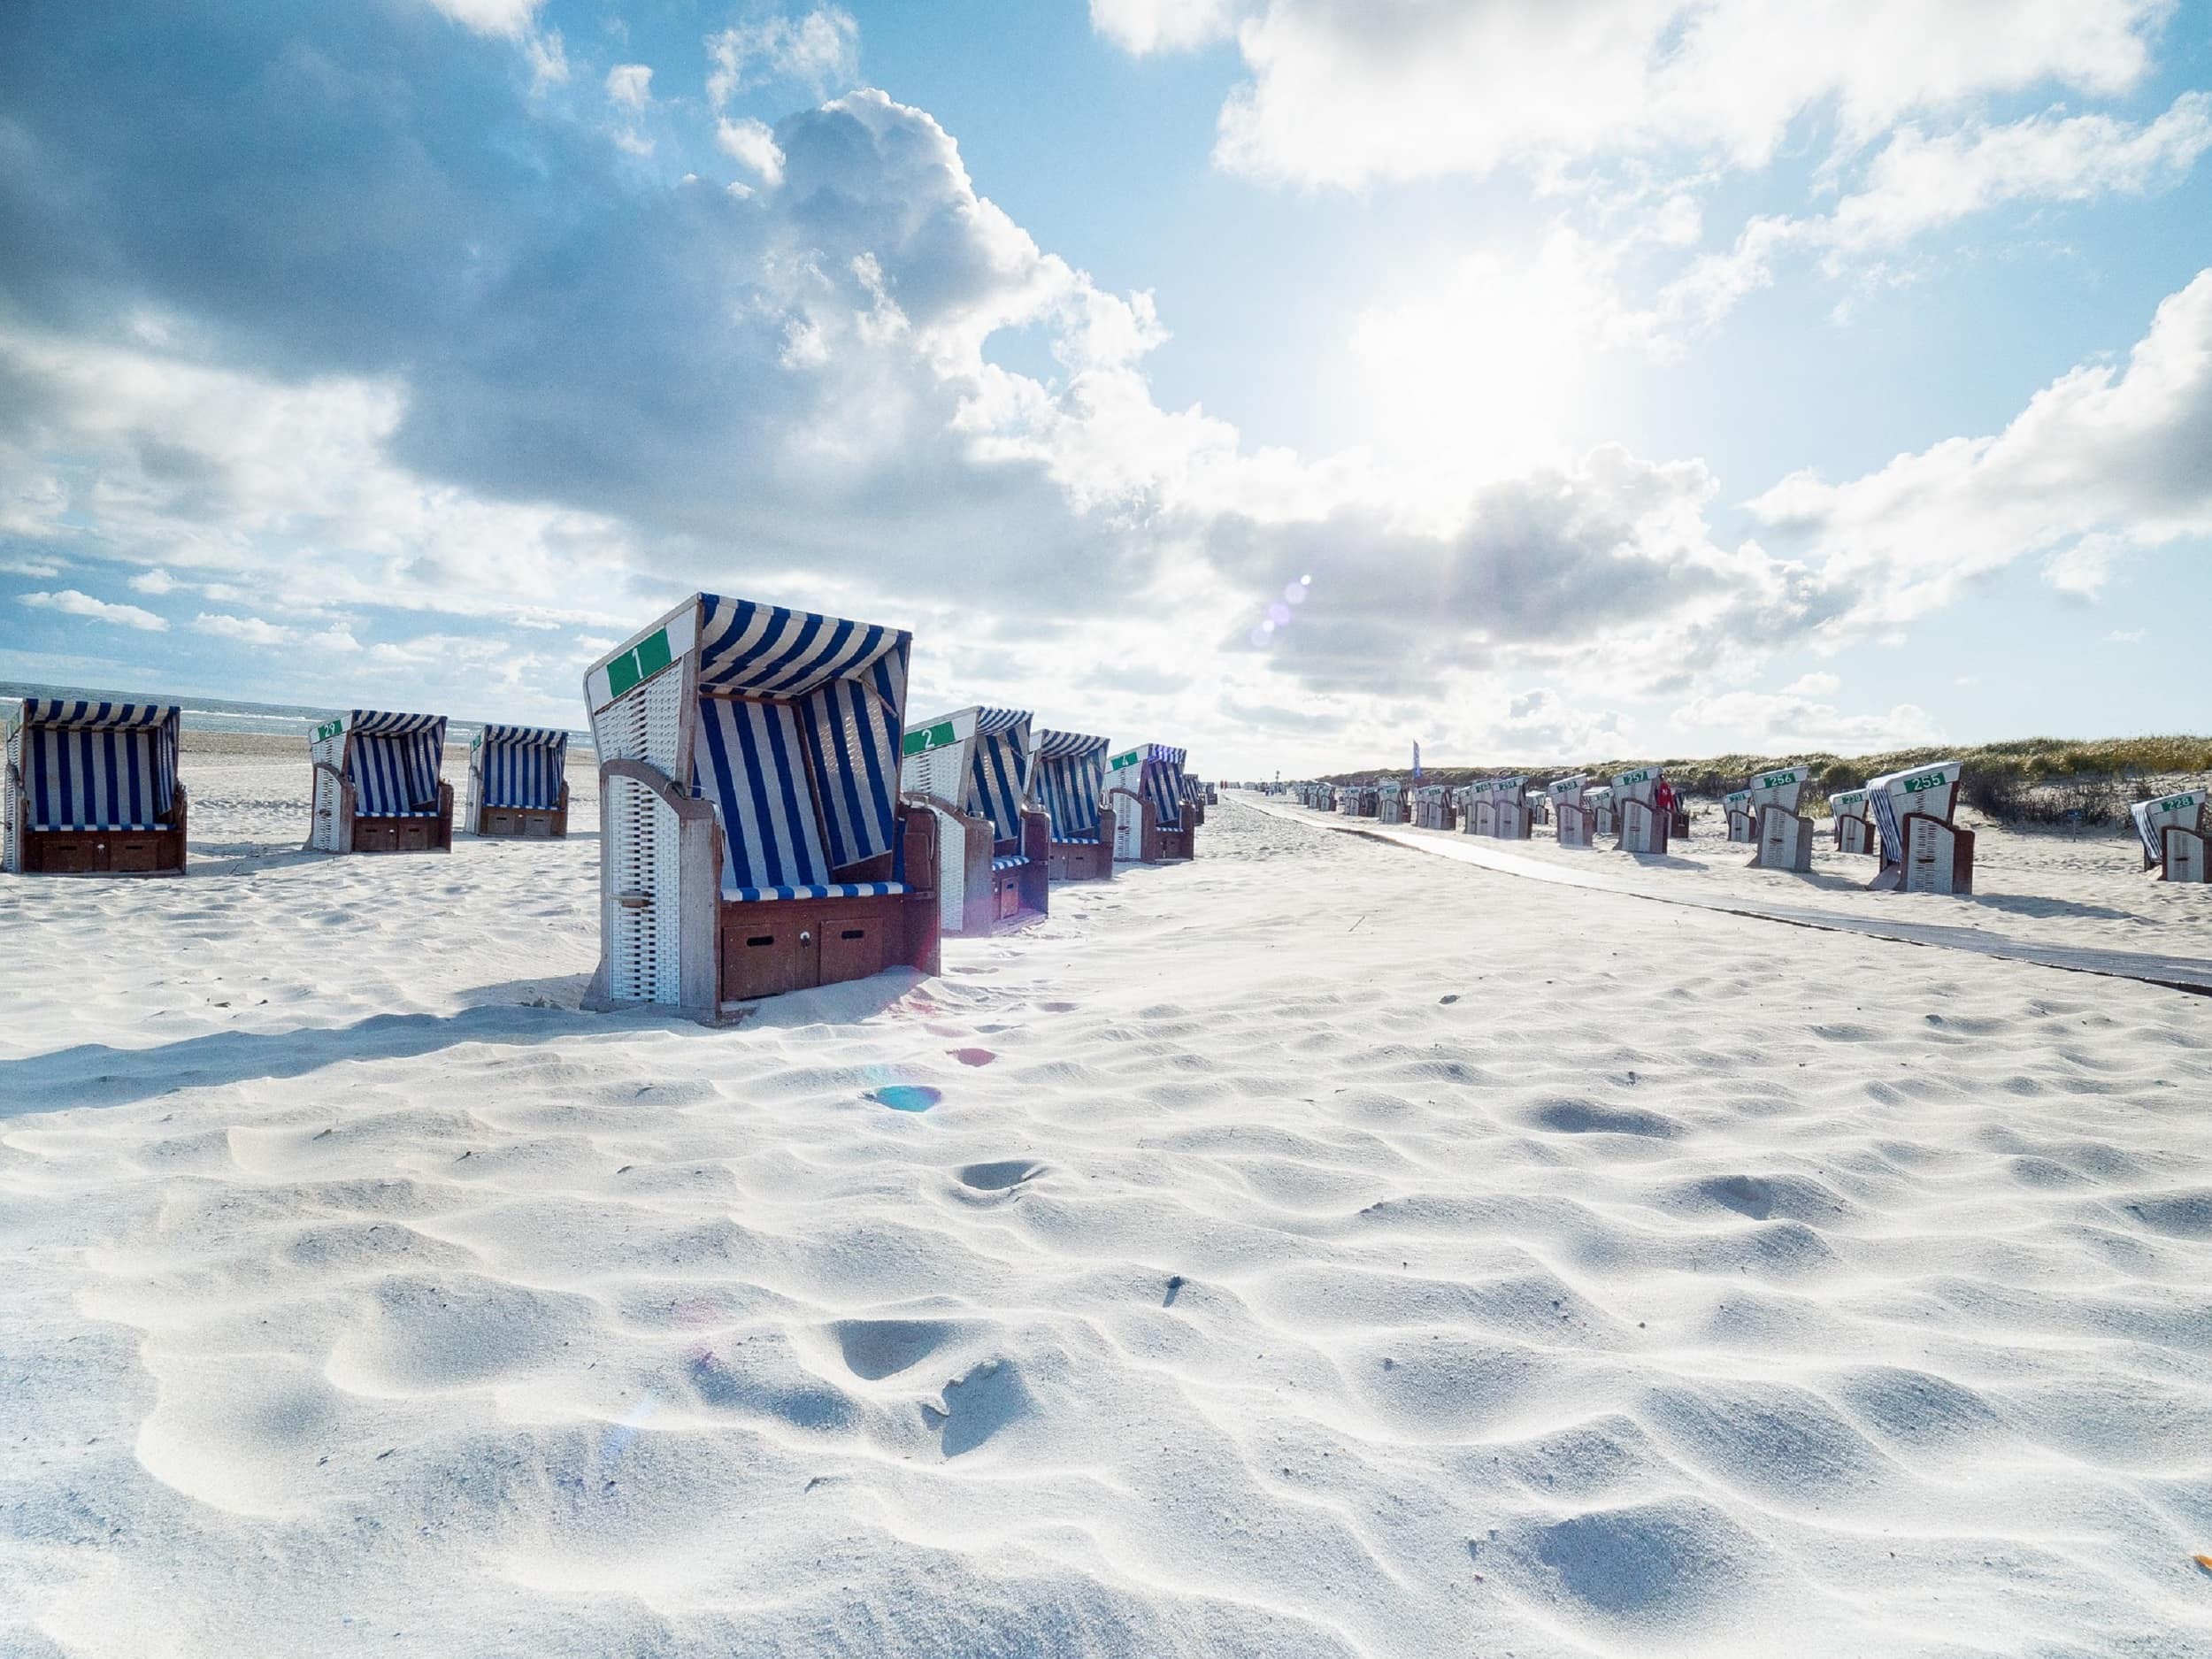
(1916,184)
(510,17)
(71,602)
(1343,92)
(753,144)
(1773,723)
(36,569)
(630,86)
(2101,461)
(1142,26)
(1607,562)
(154,581)
(245,630)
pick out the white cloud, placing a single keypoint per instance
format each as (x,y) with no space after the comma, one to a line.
(245,630)
(1916,184)
(71,602)
(339,638)
(821,49)
(1343,92)
(1773,724)
(630,86)
(508,19)
(2127,636)
(547,59)
(1142,26)
(2100,463)
(155,581)
(753,144)
(37,569)
(1812,686)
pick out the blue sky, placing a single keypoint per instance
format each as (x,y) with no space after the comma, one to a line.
(1637,377)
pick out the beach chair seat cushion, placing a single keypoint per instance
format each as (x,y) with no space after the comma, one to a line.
(1008,861)
(817,890)
(1077,841)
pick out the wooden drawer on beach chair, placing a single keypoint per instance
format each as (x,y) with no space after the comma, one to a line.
(866,938)
(770,949)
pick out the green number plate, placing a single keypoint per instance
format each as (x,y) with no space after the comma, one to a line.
(330,729)
(647,658)
(923,738)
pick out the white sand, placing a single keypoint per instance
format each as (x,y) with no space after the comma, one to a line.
(1560,1273)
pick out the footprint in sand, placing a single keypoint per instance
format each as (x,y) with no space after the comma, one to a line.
(1000,1177)
(972,1056)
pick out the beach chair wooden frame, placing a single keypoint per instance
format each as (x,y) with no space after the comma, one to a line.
(2172,829)
(972,769)
(1144,788)
(1643,828)
(380,784)
(1390,801)
(1854,829)
(752,839)
(1537,804)
(517,784)
(1785,834)
(1068,776)
(1922,850)
(91,789)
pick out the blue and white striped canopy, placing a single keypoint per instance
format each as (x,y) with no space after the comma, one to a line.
(800,719)
(99,765)
(998,770)
(522,767)
(1070,776)
(376,723)
(754,651)
(395,761)
(1163,782)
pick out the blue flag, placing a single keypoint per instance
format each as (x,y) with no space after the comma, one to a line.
(1416,762)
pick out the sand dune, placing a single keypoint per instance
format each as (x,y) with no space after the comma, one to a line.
(1317,1249)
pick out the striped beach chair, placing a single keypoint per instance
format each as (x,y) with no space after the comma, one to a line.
(379,786)
(1196,797)
(973,770)
(1144,786)
(1069,776)
(519,784)
(1922,850)
(91,788)
(2172,831)
(752,841)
